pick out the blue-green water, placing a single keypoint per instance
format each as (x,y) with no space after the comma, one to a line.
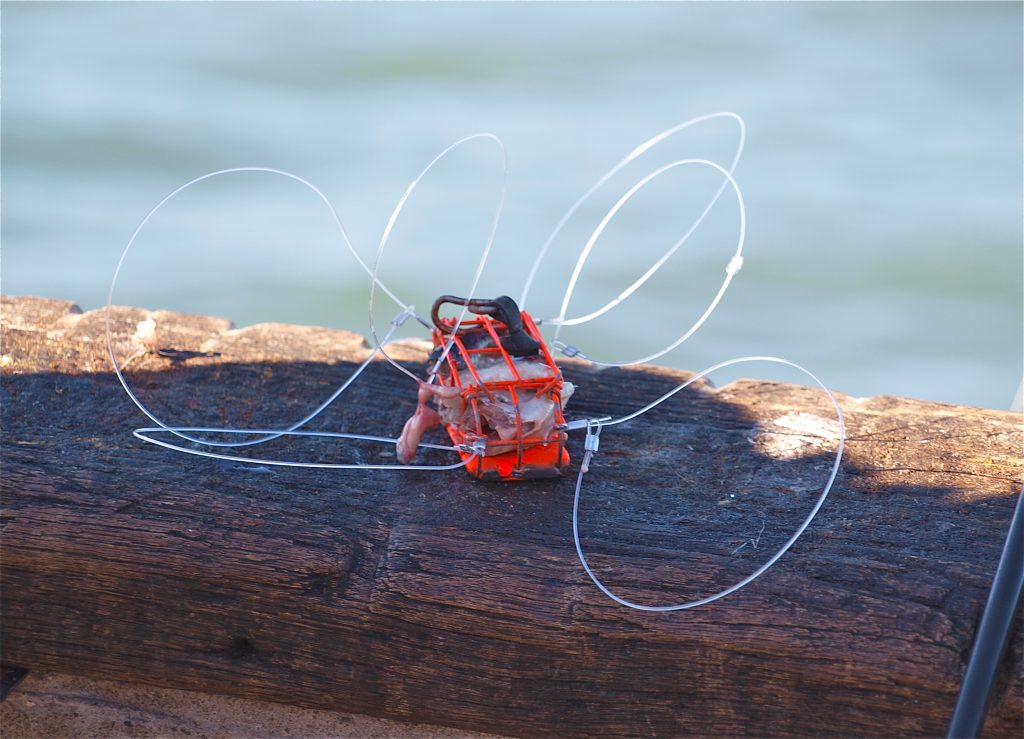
(882,172)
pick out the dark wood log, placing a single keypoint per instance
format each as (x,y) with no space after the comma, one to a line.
(435,598)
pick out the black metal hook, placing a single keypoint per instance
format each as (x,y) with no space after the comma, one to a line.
(502,309)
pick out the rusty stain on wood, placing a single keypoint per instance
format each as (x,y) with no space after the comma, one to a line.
(433,598)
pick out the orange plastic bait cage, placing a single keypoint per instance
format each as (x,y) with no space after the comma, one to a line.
(481,338)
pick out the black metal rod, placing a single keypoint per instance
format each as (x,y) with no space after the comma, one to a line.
(993,634)
(9,677)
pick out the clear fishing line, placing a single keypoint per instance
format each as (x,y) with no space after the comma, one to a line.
(633,155)
(146,435)
(732,267)
(484,254)
(594,427)
(124,254)
(262,436)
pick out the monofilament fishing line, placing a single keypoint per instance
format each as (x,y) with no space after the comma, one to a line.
(593,431)
(189,433)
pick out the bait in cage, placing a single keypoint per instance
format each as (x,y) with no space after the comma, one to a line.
(500,395)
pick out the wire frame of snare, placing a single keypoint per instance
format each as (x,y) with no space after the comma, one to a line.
(522,456)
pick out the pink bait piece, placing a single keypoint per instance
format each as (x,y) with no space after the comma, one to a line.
(424,419)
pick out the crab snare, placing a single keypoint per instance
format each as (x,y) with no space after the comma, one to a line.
(491,380)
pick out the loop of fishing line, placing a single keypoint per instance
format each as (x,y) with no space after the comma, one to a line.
(633,155)
(485,253)
(187,433)
(594,427)
(732,267)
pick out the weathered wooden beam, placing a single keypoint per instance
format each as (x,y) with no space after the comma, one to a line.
(434,598)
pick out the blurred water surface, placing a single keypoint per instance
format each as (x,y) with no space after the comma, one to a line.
(882,173)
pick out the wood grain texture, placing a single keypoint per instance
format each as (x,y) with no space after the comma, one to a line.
(433,598)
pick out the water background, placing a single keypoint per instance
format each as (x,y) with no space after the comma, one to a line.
(882,174)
